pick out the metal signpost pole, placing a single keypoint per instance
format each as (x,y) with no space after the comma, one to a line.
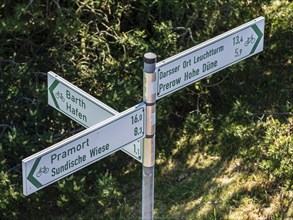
(149,96)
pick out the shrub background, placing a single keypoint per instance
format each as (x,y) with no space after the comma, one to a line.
(241,115)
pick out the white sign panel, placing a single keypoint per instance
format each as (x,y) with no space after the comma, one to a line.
(82,149)
(209,57)
(83,108)
(75,103)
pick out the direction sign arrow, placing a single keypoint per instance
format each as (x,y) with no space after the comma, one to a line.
(83,108)
(75,103)
(209,57)
(83,149)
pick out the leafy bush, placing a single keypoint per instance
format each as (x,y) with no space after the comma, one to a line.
(99,46)
(277,151)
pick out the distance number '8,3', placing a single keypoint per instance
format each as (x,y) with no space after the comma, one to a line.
(138,131)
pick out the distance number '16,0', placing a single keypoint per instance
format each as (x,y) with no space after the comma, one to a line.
(136,118)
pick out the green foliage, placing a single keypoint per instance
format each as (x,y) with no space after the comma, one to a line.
(243,112)
(277,151)
(8,196)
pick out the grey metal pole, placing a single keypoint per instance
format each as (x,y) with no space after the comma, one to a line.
(149,97)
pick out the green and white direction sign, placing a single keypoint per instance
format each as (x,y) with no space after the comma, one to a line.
(209,57)
(75,103)
(83,149)
(83,108)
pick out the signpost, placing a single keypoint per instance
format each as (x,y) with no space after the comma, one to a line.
(209,57)
(83,108)
(183,69)
(83,149)
(160,79)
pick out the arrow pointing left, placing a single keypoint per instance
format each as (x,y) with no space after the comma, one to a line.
(75,103)
(31,177)
(51,89)
(83,108)
(75,153)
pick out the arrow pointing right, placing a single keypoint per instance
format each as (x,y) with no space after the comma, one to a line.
(259,36)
